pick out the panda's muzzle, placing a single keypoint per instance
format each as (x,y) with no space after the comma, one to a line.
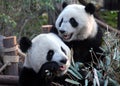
(63,67)
(65,35)
(62,31)
(63,61)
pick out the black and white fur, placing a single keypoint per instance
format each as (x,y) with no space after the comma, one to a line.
(77,27)
(47,58)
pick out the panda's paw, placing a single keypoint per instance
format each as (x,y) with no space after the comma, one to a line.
(49,70)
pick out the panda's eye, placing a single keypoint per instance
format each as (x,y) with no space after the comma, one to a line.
(73,22)
(63,50)
(60,22)
(50,55)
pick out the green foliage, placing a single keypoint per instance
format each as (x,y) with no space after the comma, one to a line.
(24,17)
(7,20)
(110,17)
(72,81)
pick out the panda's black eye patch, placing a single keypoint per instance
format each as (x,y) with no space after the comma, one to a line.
(50,55)
(60,22)
(63,50)
(73,22)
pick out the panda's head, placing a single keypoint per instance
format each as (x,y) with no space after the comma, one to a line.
(46,48)
(76,22)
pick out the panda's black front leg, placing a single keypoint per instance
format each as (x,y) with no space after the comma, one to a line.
(27,77)
(47,73)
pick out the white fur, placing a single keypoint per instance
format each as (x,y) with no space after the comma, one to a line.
(36,55)
(87,26)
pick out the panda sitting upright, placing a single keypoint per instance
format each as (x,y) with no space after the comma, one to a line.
(47,59)
(77,27)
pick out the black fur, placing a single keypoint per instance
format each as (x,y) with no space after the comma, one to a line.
(73,22)
(60,22)
(54,30)
(50,55)
(90,8)
(25,44)
(64,4)
(28,77)
(63,50)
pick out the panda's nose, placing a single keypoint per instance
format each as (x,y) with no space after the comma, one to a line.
(63,61)
(62,31)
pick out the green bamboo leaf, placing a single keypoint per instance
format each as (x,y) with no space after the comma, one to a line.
(101,64)
(72,81)
(94,82)
(72,60)
(76,72)
(86,82)
(106,82)
(113,82)
(79,65)
(115,53)
(89,73)
(75,75)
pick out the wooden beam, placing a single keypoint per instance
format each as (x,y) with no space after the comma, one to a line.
(46,28)
(8,80)
(118,20)
(106,26)
(10,42)
(118,14)
(7,85)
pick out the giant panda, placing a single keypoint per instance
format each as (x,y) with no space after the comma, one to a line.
(47,59)
(77,27)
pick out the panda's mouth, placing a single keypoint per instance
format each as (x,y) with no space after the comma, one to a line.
(63,67)
(67,36)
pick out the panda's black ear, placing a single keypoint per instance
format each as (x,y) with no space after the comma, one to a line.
(25,44)
(54,29)
(64,4)
(90,8)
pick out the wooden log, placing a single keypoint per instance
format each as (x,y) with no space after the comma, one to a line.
(7,85)
(1,45)
(46,28)
(119,14)
(9,80)
(1,49)
(10,42)
(106,26)
(118,20)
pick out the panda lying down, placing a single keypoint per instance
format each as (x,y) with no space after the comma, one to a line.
(47,59)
